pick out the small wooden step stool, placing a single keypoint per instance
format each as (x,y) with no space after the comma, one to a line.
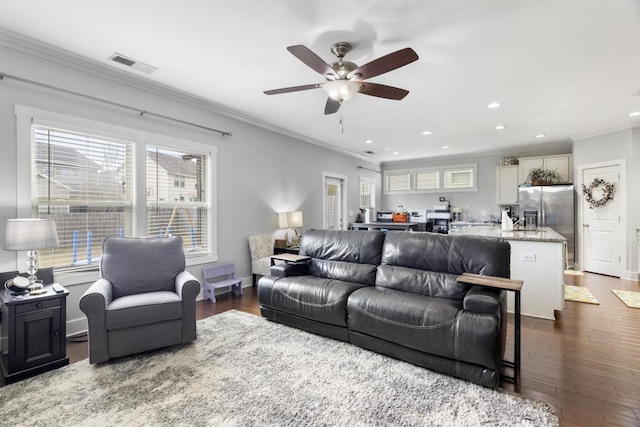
(220,275)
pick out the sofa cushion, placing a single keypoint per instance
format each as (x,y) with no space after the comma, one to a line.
(343,255)
(316,298)
(429,283)
(143,309)
(448,253)
(428,263)
(437,326)
(139,265)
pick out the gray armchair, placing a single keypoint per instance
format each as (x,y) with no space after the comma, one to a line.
(145,299)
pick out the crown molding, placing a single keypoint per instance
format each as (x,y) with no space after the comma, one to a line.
(68,59)
(625,126)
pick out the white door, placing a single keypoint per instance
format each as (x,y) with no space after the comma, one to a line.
(333,191)
(601,225)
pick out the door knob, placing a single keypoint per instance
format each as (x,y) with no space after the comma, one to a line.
(585,225)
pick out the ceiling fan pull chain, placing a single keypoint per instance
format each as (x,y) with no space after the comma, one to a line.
(342,119)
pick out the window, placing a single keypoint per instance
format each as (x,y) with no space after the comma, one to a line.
(83,182)
(178,209)
(98,180)
(178,181)
(437,179)
(367,193)
(459,178)
(427,180)
(398,181)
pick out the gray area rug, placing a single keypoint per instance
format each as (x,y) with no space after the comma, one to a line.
(246,371)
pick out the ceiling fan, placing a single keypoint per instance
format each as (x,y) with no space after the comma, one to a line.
(345,79)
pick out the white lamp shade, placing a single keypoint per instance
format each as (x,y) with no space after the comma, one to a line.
(290,219)
(341,90)
(25,234)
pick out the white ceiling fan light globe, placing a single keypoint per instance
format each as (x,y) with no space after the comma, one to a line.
(341,90)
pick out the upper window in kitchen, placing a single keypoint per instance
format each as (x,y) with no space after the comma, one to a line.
(451,178)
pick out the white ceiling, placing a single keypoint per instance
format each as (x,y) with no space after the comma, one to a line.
(564,68)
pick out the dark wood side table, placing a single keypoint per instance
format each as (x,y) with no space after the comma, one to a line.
(33,333)
(286,250)
(514,286)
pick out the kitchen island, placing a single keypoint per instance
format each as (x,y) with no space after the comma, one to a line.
(538,259)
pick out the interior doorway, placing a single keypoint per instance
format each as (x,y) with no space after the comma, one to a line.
(602,226)
(334,201)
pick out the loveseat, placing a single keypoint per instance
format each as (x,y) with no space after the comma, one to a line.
(397,294)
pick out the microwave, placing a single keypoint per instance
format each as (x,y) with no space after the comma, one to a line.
(385,216)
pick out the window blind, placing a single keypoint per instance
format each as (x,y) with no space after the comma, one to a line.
(84,183)
(459,178)
(427,180)
(367,189)
(176,197)
(398,182)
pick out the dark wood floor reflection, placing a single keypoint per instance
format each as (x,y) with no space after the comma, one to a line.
(586,364)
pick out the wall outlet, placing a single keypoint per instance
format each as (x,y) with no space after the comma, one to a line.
(528,257)
(483,213)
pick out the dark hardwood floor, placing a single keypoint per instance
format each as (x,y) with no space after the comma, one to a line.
(586,363)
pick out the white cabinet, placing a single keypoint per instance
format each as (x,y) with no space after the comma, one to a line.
(560,163)
(507,185)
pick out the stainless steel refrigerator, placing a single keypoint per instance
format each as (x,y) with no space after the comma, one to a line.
(554,205)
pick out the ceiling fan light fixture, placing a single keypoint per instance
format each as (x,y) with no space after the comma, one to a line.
(341,90)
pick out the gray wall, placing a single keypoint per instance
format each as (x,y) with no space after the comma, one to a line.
(471,202)
(259,172)
(619,145)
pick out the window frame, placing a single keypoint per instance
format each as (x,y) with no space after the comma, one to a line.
(442,170)
(26,116)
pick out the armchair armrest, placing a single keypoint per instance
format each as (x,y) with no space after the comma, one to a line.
(93,304)
(188,288)
(286,270)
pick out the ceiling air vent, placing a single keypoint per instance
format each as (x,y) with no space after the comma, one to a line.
(129,62)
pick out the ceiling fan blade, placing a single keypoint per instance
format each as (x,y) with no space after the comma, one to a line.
(385,63)
(291,89)
(312,60)
(332,106)
(382,91)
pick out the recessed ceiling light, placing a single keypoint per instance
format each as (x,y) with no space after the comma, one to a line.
(368,141)
(445,147)
(500,127)
(427,132)
(494,105)
(540,135)
(634,114)
(396,153)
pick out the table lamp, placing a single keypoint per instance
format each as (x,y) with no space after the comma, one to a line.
(31,234)
(289,221)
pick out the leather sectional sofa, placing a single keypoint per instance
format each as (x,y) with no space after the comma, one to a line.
(398,294)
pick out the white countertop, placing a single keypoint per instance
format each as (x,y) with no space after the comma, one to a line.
(541,234)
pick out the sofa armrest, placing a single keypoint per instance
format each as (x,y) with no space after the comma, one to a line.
(483,300)
(287,270)
(488,295)
(188,288)
(93,304)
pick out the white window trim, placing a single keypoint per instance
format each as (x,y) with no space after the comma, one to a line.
(26,115)
(441,169)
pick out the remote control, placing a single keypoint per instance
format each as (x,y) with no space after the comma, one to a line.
(58,288)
